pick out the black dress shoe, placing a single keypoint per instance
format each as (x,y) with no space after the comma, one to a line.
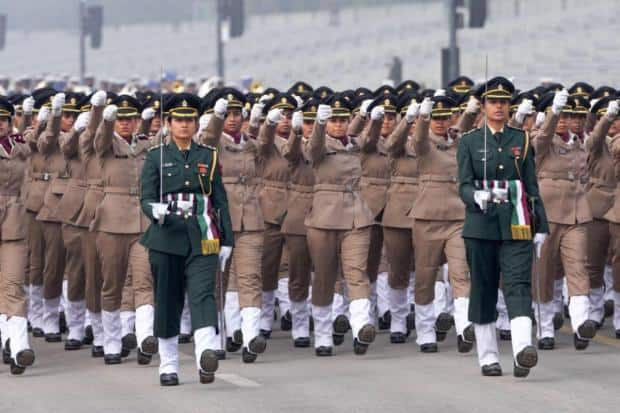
(111,359)
(96,351)
(88,336)
(237,336)
(429,348)
(505,335)
(546,343)
(144,359)
(579,343)
(266,334)
(338,339)
(587,330)
(491,370)
(185,338)
(398,338)
(411,321)
(558,321)
(367,334)
(25,358)
(469,334)
(385,321)
(53,338)
(359,348)
(463,346)
(221,354)
(72,344)
(609,308)
(302,342)
(16,370)
(129,341)
(169,379)
(62,323)
(38,332)
(520,371)
(323,351)
(208,366)
(125,353)
(528,357)
(231,346)
(247,356)
(341,325)
(286,322)
(444,322)
(150,345)
(258,345)
(440,336)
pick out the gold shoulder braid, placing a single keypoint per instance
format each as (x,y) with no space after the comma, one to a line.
(210,233)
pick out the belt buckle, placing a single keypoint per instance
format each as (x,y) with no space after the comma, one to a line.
(133,190)
(46,176)
(242,179)
(349,187)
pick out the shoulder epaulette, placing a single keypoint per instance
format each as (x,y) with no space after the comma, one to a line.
(155,147)
(213,148)
(470,131)
(514,128)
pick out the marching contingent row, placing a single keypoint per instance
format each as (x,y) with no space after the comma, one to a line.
(141,221)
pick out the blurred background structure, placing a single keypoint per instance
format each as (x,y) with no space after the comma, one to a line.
(338,43)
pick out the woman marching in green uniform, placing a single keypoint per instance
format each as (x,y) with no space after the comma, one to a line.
(190,229)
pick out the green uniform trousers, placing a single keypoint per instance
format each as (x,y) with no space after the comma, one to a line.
(173,275)
(488,259)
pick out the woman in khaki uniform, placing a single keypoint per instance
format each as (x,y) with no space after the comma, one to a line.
(438,221)
(238,155)
(396,222)
(338,226)
(275,176)
(13,249)
(613,215)
(562,173)
(119,223)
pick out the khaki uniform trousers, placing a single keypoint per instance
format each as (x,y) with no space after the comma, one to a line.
(120,255)
(271,256)
(437,242)
(400,256)
(74,268)
(615,261)
(36,256)
(599,241)
(54,266)
(331,249)
(377,259)
(299,267)
(92,270)
(564,247)
(243,274)
(13,261)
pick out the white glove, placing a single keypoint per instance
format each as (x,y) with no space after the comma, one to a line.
(300,101)
(203,122)
(364,107)
(559,101)
(44,114)
(593,102)
(377,113)
(159,211)
(440,92)
(540,119)
(109,113)
(256,113)
(81,122)
(298,120)
(98,98)
(481,198)
(323,113)
(220,108)
(148,114)
(539,240)
(525,108)
(225,252)
(412,111)
(57,102)
(274,116)
(612,109)
(28,105)
(244,113)
(473,106)
(426,107)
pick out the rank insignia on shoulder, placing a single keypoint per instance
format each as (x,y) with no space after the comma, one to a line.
(155,147)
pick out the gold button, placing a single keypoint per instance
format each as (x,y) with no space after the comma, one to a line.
(187,182)
(501,167)
(499,149)
(169,174)
(186,166)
